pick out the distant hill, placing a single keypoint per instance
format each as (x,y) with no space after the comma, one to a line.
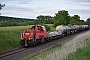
(13,18)
(14,21)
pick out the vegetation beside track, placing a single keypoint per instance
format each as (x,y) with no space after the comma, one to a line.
(10,37)
(55,54)
(43,54)
(81,54)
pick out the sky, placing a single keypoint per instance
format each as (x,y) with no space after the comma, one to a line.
(33,8)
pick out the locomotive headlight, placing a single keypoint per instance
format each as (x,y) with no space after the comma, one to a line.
(24,37)
(29,38)
(27,33)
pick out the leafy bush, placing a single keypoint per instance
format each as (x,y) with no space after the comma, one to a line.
(47,27)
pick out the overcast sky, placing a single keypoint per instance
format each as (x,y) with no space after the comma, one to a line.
(33,8)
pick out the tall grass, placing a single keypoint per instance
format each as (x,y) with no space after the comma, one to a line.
(81,54)
(50,25)
(10,37)
(43,54)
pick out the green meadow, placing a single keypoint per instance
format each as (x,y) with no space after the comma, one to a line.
(10,37)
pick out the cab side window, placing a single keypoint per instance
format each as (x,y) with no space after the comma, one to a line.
(39,27)
(33,28)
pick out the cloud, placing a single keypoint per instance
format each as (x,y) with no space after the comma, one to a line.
(22,12)
(79,4)
(81,0)
(86,5)
(79,11)
(85,16)
(17,8)
(16,1)
(33,8)
(83,13)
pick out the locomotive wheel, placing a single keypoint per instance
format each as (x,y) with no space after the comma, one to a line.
(67,34)
(48,39)
(35,43)
(42,40)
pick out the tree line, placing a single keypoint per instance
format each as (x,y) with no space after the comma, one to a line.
(12,21)
(41,19)
(88,21)
(62,17)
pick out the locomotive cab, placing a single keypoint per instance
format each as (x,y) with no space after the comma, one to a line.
(35,35)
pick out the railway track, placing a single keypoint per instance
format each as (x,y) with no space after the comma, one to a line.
(10,52)
(19,53)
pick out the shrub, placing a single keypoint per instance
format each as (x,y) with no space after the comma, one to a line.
(47,27)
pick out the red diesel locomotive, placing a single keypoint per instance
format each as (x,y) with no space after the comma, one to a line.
(33,36)
(38,34)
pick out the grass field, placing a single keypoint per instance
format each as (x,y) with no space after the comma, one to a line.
(81,54)
(10,36)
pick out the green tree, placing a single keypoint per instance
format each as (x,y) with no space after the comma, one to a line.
(47,28)
(61,18)
(75,20)
(4,23)
(48,19)
(82,22)
(1,5)
(77,17)
(40,19)
(88,21)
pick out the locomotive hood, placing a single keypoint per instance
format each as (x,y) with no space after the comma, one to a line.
(27,34)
